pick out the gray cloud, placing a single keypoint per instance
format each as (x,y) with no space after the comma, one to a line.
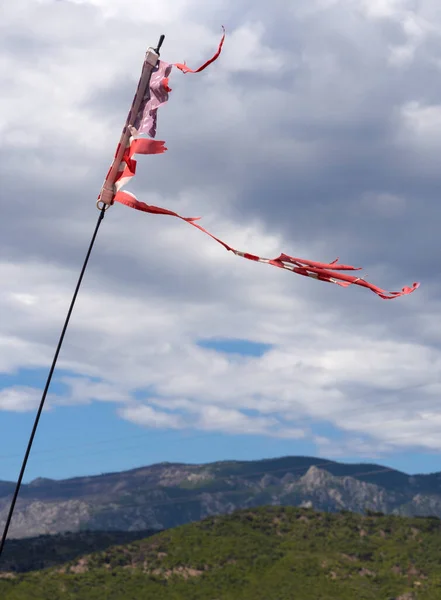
(302,138)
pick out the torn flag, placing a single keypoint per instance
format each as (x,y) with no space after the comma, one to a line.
(153,91)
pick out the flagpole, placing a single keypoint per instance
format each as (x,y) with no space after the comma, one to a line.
(48,382)
(104,201)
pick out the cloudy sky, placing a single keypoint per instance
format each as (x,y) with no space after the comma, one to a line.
(316,133)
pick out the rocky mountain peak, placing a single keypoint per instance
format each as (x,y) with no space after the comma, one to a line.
(315,477)
(170,494)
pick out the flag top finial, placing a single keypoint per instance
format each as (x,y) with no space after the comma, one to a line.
(161,41)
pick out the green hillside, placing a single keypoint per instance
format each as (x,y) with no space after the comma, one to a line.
(272,553)
(44,551)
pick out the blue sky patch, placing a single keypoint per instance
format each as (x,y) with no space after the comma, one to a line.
(235,346)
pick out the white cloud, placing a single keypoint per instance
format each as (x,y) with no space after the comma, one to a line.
(206,417)
(19,399)
(83,390)
(423,121)
(134,345)
(246,51)
(148,416)
(384,8)
(160,13)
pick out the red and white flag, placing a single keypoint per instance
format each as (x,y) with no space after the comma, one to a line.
(153,91)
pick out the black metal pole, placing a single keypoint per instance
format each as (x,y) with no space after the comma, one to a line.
(161,41)
(48,382)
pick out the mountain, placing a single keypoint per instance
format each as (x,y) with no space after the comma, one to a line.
(276,553)
(167,495)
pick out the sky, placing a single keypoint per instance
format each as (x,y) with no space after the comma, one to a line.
(316,133)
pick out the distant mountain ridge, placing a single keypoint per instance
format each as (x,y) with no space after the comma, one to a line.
(165,495)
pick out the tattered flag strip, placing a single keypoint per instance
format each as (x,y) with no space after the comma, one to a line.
(142,120)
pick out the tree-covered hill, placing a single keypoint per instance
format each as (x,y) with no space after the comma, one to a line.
(270,553)
(44,551)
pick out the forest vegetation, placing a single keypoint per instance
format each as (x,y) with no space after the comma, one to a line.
(268,553)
